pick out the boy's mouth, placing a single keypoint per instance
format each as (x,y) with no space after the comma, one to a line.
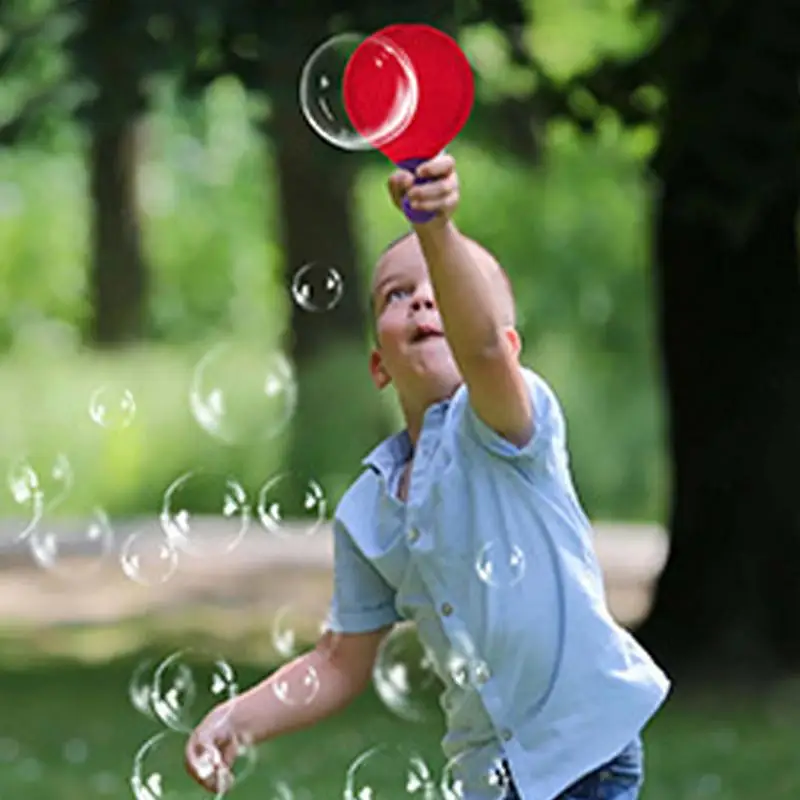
(423,332)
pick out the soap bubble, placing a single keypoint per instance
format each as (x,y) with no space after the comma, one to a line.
(387,772)
(112,408)
(148,558)
(23,485)
(239,395)
(194,507)
(321,92)
(289,628)
(298,684)
(187,685)
(290,504)
(73,551)
(500,564)
(404,675)
(159,773)
(317,287)
(140,686)
(477,773)
(39,486)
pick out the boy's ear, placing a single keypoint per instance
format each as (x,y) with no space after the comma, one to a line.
(514,339)
(380,377)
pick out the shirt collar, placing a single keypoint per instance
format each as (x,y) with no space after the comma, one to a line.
(397,449)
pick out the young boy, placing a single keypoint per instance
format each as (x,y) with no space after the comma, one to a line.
(559,693)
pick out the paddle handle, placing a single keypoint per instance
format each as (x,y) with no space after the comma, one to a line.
(415,215)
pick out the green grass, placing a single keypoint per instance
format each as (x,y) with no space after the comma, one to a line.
(68,732)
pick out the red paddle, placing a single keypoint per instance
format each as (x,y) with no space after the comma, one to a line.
(445,92)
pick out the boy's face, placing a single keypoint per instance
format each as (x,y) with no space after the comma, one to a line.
(412,352)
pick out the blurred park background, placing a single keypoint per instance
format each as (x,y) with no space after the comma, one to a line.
(184,329)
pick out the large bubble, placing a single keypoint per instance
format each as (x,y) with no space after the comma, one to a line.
(240,395)
(404,676)
(321,91)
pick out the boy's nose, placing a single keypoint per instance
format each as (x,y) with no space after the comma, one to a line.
(422,303)
(423,299)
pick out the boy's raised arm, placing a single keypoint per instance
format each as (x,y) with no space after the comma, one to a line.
(484,347)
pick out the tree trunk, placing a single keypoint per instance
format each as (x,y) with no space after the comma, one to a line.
(119,276)
(109,52)
(727,266)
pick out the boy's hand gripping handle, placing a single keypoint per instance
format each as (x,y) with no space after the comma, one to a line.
(414,215)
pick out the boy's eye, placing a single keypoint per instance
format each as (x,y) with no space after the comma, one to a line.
(394,294)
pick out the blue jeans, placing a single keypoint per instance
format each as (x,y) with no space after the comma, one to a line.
(619,779)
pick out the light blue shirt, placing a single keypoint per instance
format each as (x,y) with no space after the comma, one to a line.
(557,687)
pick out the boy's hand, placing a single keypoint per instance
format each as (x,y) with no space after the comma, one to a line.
(212,749)
(440,196)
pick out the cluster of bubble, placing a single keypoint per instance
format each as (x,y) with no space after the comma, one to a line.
(150,554)
(179,691)
(286,505)
(406,677)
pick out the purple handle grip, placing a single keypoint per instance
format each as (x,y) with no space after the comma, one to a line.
(414,215)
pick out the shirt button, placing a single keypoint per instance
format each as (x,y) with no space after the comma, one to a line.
(413,535)
(447,609)
(482,673)
(507,735)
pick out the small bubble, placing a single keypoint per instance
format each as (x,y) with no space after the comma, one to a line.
(290,629)
(111,408)
(290,504)
(500,564)
(298,685)
(148,558)
(317,287)
(475,773)
(73,553)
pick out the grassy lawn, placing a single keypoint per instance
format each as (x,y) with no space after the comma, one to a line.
(68,731)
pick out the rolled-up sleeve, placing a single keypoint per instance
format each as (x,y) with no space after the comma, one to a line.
(549,428)
(362,600)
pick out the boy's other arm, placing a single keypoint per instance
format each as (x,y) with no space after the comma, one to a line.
(343,664)
(467,299)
